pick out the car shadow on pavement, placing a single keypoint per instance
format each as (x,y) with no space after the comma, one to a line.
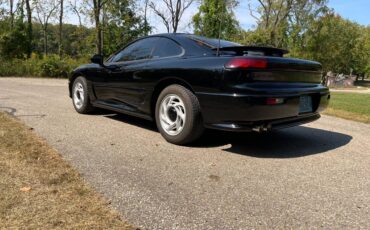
(139,122)
(288,143)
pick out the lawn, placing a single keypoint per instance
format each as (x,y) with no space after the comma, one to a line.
(352,106)
(39,190)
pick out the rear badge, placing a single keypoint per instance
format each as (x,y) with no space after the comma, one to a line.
(305,104)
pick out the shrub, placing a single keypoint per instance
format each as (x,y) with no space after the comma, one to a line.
(51,66)
(54,67)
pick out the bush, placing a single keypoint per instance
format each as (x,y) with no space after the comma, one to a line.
(51,66)
(54,67)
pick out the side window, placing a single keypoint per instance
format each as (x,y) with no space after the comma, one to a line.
(141,49)
(166,48)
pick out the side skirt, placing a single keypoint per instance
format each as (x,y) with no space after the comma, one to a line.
(107,106)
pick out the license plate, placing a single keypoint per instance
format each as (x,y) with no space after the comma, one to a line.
(305,104)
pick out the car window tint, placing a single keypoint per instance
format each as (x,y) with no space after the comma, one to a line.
(211,43)
(141,49)
(166,48)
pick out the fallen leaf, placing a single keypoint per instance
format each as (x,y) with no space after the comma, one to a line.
(25,189)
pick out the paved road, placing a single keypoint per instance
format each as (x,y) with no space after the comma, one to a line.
(315,176)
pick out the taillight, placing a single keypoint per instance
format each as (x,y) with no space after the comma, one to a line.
(274,101)
(237,63)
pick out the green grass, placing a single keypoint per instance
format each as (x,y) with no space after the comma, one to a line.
(353,106)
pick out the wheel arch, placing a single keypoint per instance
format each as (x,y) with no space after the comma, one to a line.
(161,85)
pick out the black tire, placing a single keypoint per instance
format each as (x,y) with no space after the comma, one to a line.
(193,126)
(85,106)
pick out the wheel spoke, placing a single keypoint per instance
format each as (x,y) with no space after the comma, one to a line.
(180,113)
(172,114)
(172,127)
(78,95)
(178,124)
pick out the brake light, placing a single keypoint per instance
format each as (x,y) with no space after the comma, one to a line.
(237,63)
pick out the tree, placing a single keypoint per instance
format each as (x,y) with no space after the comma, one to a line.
(146,24)
(302,17)
(117,22)
(122,24)
(13,44)
(60,40)
(336,43)
(283,23)
(45,9)
(29,28)
(97,12)
(11,11)
(2,10)
(172,12)
(216,18)
(271,17)
(76,8)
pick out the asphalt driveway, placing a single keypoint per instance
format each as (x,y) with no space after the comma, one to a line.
(314,176)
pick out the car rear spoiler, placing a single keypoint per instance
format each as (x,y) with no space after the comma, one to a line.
(268,51)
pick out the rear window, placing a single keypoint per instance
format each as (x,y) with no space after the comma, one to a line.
(211,42)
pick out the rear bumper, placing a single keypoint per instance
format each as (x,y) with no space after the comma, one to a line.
(267,125)
(247,112)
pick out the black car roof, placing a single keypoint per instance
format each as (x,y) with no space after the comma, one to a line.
(210,41)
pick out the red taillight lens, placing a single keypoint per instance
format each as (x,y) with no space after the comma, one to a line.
(246,63)
(274,101)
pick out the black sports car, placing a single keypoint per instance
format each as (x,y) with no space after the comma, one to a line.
(187,83)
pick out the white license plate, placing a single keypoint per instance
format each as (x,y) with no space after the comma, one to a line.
(305,104)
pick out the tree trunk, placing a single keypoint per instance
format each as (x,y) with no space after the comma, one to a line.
(146,17)
(11,5)
(45,41)
(29,29)
(102,24)
(98,35)
(61,28)
(97,7)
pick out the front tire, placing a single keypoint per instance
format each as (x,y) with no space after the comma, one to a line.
(178,115)
(80,96)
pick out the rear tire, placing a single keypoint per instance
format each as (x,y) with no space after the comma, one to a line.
(80,96)
(178,115)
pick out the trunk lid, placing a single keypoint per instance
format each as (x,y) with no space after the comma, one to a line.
(267,64)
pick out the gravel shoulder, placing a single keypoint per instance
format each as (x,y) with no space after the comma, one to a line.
(313,176)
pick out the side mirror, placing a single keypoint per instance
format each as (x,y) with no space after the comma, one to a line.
(98,59)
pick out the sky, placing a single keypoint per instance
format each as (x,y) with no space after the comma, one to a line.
(355,10)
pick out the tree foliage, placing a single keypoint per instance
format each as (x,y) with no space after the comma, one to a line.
(122,24)
(216,18)
(341,45)
(13,44)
